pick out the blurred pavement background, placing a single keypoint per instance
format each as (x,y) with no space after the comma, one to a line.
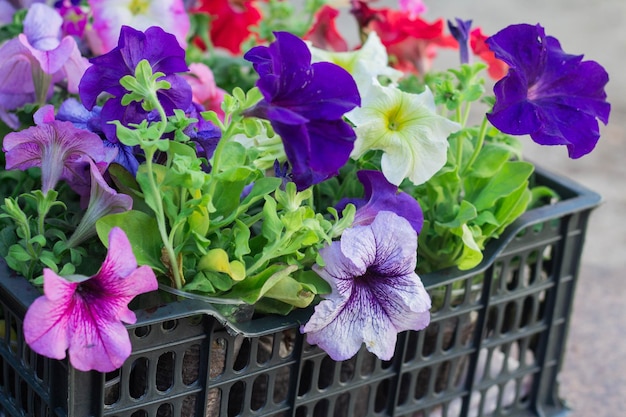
(593,380)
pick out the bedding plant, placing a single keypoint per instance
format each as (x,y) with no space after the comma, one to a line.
(245,152)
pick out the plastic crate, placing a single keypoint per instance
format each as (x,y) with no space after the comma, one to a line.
(492,349)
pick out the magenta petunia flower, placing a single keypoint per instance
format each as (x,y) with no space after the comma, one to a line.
(85,314)
(375,291)
(555,97)
(61,150)
(163,53)
(305,104)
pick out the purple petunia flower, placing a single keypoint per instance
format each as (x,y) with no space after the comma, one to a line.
(381,195)
(375,291)
(305,104)
(555,97)
(164,54)
(85,314)
(61,150)
(103,200)
(461,32)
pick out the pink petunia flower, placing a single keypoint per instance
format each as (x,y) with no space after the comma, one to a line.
(85,314)
(110,15)
(204,91)
(414,8)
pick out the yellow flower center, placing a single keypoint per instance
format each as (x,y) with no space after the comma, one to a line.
(139,6)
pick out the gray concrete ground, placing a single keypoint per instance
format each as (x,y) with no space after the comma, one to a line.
(593,380)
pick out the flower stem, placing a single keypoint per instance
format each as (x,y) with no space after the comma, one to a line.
(479,144)
(150,151)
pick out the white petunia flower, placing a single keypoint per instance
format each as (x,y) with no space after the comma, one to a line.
(406,127)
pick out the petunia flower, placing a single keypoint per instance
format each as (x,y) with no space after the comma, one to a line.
(58,148)
(75,18)
(554,97)
(103,200)
(37,59)
(323,34)
(496,67)
(204,91)
(381,195)
(365,64)
(406,127)
(375,291)
(305,104)
(231,21)
(461,32)
(411,41)
(85,314)
(163,53)
(109,16)
(413,8)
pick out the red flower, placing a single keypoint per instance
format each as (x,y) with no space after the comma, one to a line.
(497,68)
(231,21)
(324,34)
(411,42)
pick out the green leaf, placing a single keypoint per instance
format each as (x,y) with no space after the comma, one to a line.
(261,187)
(313,280)
(142,232)
(242,239)
(272,226)
(290,291)
(485,194)
(256,286)
(466,213)
(209,283)
(490,160)
(472,254)
(18,254)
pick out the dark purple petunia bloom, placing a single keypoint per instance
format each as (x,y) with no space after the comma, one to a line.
(164,54)
(461,32)
(381,195)
(375,291)
(71,110)
(555,97)
(305,104)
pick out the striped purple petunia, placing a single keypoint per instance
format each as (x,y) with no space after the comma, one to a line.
(375,291)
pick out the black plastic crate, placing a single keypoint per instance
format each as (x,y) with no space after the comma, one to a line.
(494,347)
